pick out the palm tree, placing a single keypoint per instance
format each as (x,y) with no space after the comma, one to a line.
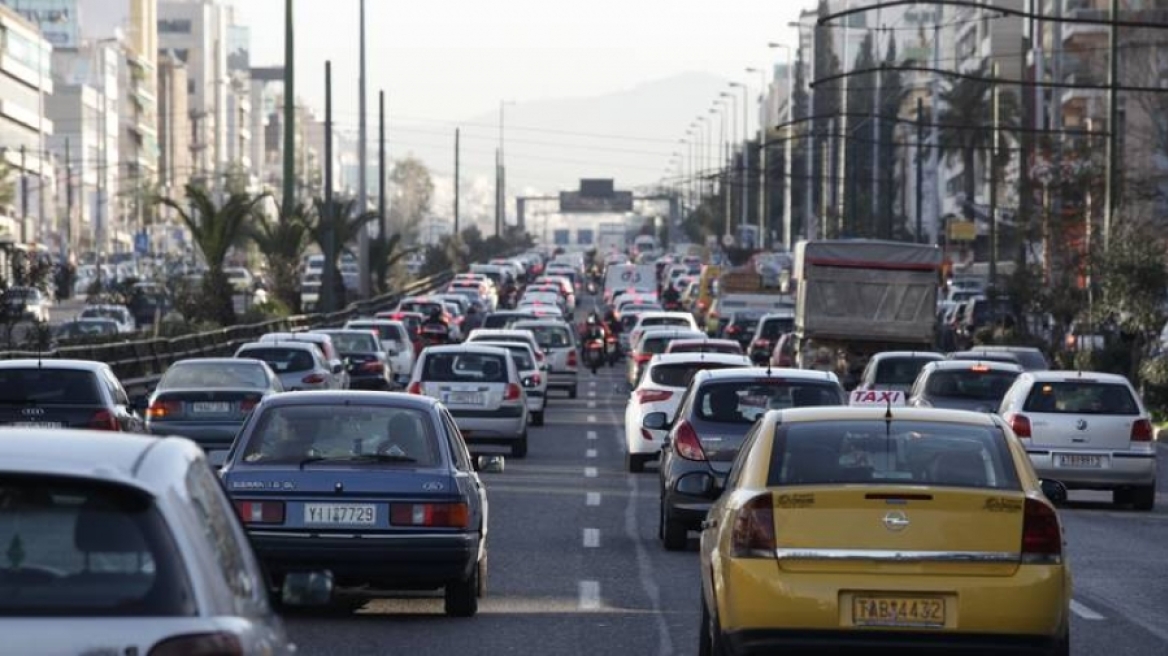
(7,187)
(967,119)
(345,224)
(283,242)
(215,229)
(384,253)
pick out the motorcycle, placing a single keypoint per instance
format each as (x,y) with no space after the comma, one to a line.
(594,354)
(612,349)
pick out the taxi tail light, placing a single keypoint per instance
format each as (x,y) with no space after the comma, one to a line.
(447,515)
(687,444)
(104,420)
(313,379)
(1042,537)
(572,361)
(512,393)
(653,396)
(753,534)
(199,644)
(414,388)
(1141,431)
(260,512)
(160,409)
(1020,424)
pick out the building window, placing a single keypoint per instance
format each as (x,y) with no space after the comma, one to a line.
(174,26)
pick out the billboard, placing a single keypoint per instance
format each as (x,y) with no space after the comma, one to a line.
(56,19)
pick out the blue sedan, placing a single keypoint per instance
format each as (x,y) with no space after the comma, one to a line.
(376,488)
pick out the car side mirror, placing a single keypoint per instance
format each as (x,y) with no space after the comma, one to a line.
(491,464)
(307,589)
(656,421)
(1053,490)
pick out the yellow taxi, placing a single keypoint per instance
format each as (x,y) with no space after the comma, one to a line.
(907,530)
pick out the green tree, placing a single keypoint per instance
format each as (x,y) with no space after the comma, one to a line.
(7,186)
(1134,283)
(861,133)
(215,229)
(345,224)
(283,241)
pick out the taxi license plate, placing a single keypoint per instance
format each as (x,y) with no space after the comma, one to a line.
(348,514)
(1074,460)
(206,408)
(38,424)
(898,611)
(464,398)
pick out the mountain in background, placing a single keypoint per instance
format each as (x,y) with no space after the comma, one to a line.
(629,135)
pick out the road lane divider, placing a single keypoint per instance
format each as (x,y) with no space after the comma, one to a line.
(1084,612)
(591,404)
(591,538)
(592,419)
(589,595)
(590,472)
(592,499)
(591,435)
(590,453)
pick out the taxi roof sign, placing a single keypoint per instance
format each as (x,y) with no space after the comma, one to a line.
(877,397)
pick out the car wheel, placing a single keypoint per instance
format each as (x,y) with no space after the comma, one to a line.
(674,534)
(461,598)
(636,463)
(519,449)
(572,392)
(537,418)
(1144,498)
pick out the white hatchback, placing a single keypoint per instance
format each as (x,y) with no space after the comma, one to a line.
(647,320)
(1087,430)
(660,390)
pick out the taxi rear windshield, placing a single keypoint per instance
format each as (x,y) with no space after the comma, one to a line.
(891,453)
(1081,398)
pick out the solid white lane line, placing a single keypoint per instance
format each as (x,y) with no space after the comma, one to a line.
(591,538)
(592,419)
(1084,612)
(591,435)
(592,404)
(589,595)
(590,453)
(592,499)
(590,472)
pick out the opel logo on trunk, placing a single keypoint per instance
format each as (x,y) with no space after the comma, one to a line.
(33,412)
(896,521)
(1081,424)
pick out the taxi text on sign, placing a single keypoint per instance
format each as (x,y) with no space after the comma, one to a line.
(877,397)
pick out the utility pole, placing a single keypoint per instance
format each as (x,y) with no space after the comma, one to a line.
(1111,198)
(920,233)
(878,55)
(457,176)
(994,136)
(382,214)
(289,110)
(23,197)
(362,170)
(934,137)
(67,242)
(327,278)
(846,65)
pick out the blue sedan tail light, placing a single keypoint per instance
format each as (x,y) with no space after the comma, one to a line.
(446,515)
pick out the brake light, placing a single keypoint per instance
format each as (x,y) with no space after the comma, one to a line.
(248,404)
(731,330)
(1020,424)
(104,420)
(761,344)
(642,358)
(372,367)
(447,515)
(199,644)
(753,535)
(313,379)
(652,396)
(414,388)
(572,360)
(979,368)
(536,380)
(1042,537)
(513,392)
(686,442)
(260,512)
(160,409)
(1141,431)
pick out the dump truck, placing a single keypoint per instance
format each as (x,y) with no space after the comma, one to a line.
(855,298)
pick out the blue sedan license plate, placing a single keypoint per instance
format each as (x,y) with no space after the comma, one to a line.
(340,514)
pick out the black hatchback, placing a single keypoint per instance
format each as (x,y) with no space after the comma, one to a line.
(714,415)
(53,393)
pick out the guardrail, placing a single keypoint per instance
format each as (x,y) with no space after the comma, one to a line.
(139,363)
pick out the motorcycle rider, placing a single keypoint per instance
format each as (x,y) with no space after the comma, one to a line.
(436,320)
(594,331)
(671,297)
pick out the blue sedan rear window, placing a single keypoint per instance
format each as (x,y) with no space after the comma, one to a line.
(288,434)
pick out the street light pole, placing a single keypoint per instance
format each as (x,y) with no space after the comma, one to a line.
(289,109)
(363,286)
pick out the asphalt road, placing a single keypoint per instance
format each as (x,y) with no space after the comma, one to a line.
(575,567)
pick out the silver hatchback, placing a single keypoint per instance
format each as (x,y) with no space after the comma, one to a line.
(558,341)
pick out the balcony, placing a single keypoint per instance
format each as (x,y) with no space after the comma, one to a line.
(1085,33)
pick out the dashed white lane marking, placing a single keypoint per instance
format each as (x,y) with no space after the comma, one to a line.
(1084,612)
(592,383)
(592,394)
(592,499)
(592,404)
(590,453)
(590,472)
(589,595)
(592,419)
(591,435)
(591,538)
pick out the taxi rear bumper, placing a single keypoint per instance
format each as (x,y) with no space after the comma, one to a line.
(768,641)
